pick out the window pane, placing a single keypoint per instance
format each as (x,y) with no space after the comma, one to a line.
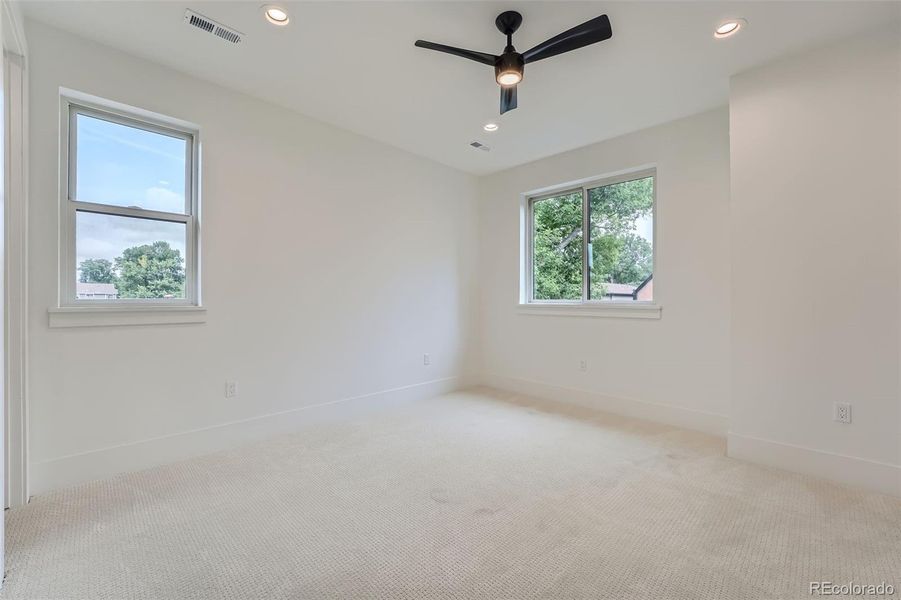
(127,166)
(621,251)
(123,257)
(557,251)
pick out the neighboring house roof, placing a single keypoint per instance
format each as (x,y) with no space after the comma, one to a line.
(96,289)
(619,289)
(624,289)
(644,283)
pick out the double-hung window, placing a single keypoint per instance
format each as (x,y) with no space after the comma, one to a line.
(592,244)
(129,230)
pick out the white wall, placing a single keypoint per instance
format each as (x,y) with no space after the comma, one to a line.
(786,298)
(675,369)
(331,263)
(815,247)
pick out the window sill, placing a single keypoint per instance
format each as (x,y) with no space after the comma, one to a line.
(617,310)
(107,316)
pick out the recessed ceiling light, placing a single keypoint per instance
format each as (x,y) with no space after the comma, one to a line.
(276,15)
(729,27)
(490,127)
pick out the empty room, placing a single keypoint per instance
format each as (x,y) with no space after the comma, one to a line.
(450,300)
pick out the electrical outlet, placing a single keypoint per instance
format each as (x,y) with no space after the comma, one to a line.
(231,389)
(842,412)
(426,359)
(583,365)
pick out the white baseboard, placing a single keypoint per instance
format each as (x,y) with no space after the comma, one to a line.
(105,462)
(848,470)
(707,422)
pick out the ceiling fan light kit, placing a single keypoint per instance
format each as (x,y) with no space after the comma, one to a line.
(510,66)
(508,69)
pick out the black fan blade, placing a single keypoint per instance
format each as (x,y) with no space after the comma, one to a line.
(589,32)
(485,59)
(508,98)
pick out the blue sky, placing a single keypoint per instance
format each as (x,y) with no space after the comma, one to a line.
(125,166)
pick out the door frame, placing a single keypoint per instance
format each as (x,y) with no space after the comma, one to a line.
(15,268)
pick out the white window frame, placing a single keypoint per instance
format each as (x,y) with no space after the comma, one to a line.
(71,105)
(584,306)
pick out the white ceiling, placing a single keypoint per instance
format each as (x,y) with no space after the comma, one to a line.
(353,64)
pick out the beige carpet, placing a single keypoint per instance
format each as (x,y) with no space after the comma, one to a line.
(470,495)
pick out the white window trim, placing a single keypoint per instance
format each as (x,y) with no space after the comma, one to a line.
(582,308)
(122,314)
(73,311)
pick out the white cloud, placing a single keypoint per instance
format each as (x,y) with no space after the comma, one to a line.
(88,133)
(158,198)
(105,236)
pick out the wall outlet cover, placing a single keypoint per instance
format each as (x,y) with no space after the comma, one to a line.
(842,412)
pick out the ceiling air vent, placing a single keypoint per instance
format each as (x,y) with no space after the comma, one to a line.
(210,26)
(480,146)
